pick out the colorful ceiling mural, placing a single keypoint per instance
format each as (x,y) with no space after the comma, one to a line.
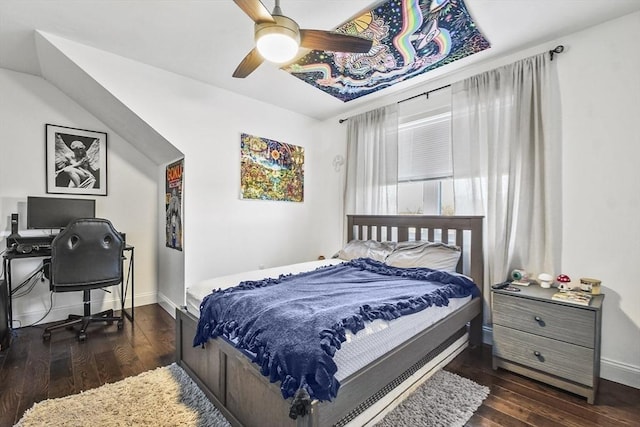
(410,37)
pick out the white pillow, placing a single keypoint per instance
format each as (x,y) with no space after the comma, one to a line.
(366,249)
(437,256)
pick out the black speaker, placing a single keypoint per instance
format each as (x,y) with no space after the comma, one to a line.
(14,224)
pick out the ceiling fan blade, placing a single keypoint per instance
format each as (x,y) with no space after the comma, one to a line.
(248,64)
(334,42)
(256,10)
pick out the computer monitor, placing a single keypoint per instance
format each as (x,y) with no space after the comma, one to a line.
(54,212)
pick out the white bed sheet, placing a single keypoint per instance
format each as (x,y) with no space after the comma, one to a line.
(195,294)
(378,337)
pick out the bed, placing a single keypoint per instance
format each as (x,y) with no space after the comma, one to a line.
(247,398)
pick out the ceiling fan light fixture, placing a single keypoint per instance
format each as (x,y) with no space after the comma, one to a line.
(278,42)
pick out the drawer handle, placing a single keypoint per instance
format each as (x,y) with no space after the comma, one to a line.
(539,320)
(538,355)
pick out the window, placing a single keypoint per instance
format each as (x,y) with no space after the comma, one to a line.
(425,171)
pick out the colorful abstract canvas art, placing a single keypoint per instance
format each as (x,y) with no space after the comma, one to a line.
(410,37)
(271,170)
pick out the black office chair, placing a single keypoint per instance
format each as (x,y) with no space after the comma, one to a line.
(84,256)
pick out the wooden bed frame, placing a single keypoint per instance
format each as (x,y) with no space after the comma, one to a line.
(246,398)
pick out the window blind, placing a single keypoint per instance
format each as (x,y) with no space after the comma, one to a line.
(424,149)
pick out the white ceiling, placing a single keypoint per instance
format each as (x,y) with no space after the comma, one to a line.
(206,39)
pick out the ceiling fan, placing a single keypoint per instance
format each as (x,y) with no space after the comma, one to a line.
(278,38)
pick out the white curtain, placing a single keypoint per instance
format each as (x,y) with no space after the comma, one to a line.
(372,162)
(506,164)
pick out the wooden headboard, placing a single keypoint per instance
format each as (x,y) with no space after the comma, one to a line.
(462,231)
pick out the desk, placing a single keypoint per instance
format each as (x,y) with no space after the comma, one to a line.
(8,257)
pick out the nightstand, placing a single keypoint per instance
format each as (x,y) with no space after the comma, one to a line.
(550,341)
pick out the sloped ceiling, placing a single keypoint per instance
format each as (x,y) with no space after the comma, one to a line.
(205,40)
(78,84)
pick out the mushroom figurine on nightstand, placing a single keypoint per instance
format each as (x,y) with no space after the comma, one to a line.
(545,280)
(564,282)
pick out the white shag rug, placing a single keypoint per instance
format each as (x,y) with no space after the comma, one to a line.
(168,397)
(444,400)
(162,397)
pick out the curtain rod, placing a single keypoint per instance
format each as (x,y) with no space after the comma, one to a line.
(556,50)
(411,97)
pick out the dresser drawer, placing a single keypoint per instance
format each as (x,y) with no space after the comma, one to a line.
(562,359)
(569,324)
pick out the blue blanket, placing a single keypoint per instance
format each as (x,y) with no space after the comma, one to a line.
(294,324)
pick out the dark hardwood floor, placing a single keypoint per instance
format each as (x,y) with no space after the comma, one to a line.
(518,401)
(32,370)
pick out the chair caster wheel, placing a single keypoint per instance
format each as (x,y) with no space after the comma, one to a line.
(120,324)
(82,336)
(46,336)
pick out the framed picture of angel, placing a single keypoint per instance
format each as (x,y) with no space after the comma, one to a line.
(76,161)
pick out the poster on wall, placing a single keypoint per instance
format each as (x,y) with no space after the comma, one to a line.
(271,170)
(76,161)
(173,201)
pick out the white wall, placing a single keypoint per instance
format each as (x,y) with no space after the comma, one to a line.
(27,103)
(600,85)
(222,233)
(600,89)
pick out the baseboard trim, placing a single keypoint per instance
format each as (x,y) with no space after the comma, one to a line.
(619,372)
(60,312)
(487,335)
(168,305)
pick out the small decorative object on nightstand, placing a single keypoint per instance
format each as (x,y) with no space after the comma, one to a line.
(520,277)
(590,285)
(545,279)
(564,282)
(555,342)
